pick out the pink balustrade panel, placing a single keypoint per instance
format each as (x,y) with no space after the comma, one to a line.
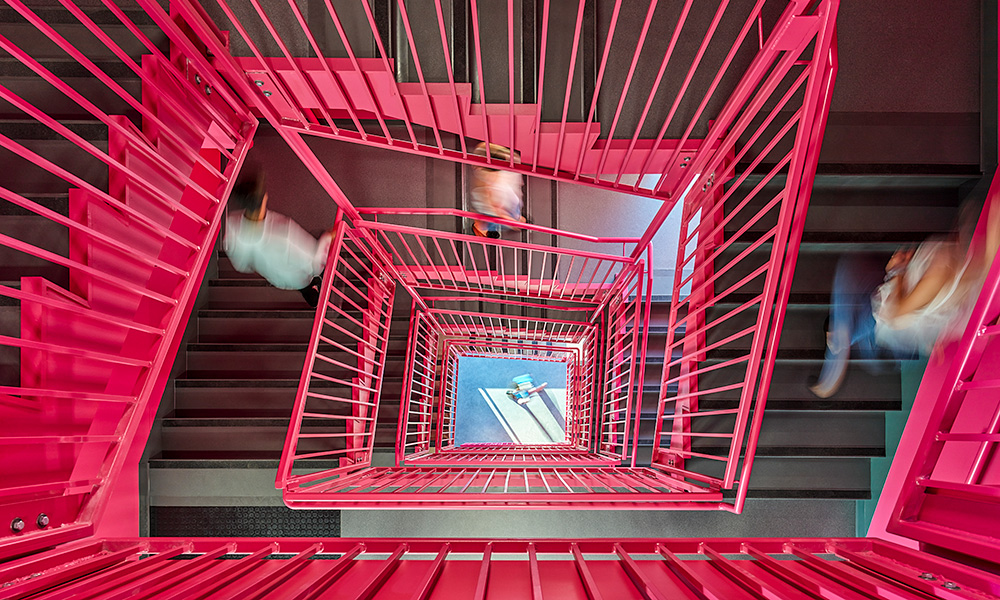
(571,569)
(507,348)
(743,214)
(327,88)
(623,366)
(543,486)
(101,263)
(336,406)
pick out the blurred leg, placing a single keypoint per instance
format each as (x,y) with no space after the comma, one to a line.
(851,322)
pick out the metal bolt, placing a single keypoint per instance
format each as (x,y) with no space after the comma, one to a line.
(267,93)
(948,585)
(208,91)
(197,79)
(42,520)
(17,525)
(259,83)
(687,158)
(927,576)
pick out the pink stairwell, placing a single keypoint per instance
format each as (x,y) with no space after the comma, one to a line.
(101,318)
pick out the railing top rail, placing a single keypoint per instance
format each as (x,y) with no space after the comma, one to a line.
(453,212)
(465,313)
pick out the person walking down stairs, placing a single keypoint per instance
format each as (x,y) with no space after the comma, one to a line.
(921,299)
(495,193)
(270,244)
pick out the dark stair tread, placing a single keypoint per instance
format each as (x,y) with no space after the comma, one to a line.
(30,129)
(787,450)
(814,494)
(922,170)
(227,413)
(237,381)
(250,313)
(99,15)
(229,459)
(245,347)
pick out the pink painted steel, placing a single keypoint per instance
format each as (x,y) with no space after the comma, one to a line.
(469,333)
(545,486)
(509,347)
(339,391)
(751,268)
(446,53)
(574,569)
(101,317)
(569,85)
(476,37)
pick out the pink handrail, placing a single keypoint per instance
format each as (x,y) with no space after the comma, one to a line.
(452,212)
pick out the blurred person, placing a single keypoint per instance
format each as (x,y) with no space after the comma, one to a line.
(921,299)
(495,193)
(270,244)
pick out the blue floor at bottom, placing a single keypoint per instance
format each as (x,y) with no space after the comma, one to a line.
(482,382)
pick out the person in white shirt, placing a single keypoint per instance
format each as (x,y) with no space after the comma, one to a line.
(268,243)
(495,193)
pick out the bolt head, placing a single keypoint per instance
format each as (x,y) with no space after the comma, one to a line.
(926,576)
(42,520)
(950,585)
(267,94)
(259,83)
(197,78)
(17,525)
(208,90)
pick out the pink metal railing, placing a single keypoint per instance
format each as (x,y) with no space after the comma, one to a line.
(442,261)
(742,221)
(507,348)
(318,96)
(490,486)
(101,283)
(416,413)
(476,334)
(623,366)
(341,383)
(422,568)
(297,94)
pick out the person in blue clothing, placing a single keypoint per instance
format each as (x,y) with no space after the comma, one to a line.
(921,299)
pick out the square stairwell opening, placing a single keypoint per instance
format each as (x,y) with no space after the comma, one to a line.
(510,401)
